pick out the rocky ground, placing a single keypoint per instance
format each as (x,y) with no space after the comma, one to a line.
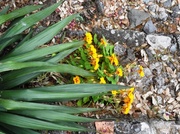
(144,32)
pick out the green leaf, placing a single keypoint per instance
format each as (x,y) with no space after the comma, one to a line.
(24,75)
(17,13)
(27,37)
(83,55)
(80,103)
(82,88)
(72,60)
(15,105)
(35,124)
(16,81)
(10,65)
(86,99)
(9,80)
(38,53)
(95,98)
(53,116)
(62,55)
(43,36)
(18,130)
(95,39)
(33,95)
(87,65)
(8,41)
(30,20)
(4,11)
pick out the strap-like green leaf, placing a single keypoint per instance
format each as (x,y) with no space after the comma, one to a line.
(17,13)
(43,36)
(7,41)
(48,67)
(35,124)
(18,77)
(15,105)
(53,116)
(38,53)
(10,65)
(83,88)
(43,67)
(33,95)
(62,55)
(30,20)
(18,130)
(4,84)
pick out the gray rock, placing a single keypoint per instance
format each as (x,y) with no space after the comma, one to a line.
(164,127)
(146,1)
(167,3)
(173,48)
(147,72)
(176,12)
(100,7)
(129,37)
(135,127)
(153,8)
(157,66)
(136,17)
(177,36)
(150,55)
(119,49)
(158,42)
(165,57)
(162,14)
(149,27)
(128,57)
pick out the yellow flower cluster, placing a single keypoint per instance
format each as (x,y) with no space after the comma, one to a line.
(76,80)
(141,71)
(94,56)
(128,98)
(88,37)
(113,60)
(92,51)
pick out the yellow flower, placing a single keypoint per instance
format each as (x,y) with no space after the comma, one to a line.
(131,90)
(131,97)
(94,55)
(140,71)
(95,63)
(114,92)
(113,60)
(103,42)
(119,72)
(102,80)
(76,80)
(128,98)
(126,108)
(92,49)
(88,37)
(96,66)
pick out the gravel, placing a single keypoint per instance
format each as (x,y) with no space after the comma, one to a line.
(151,31)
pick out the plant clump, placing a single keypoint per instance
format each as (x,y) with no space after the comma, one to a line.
(97,56)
